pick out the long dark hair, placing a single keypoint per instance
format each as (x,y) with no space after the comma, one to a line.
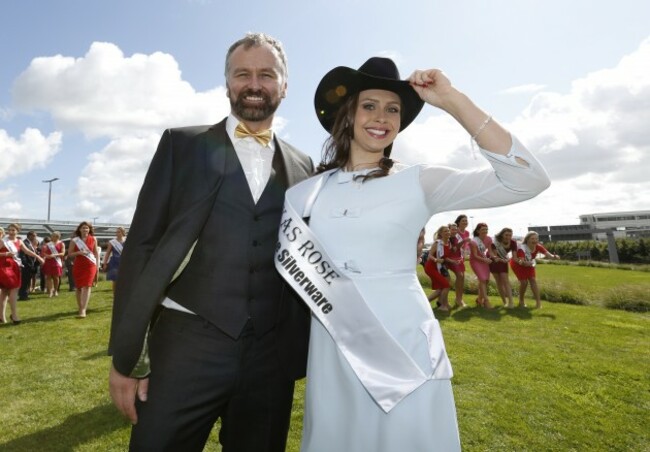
(336,150)
(478,228)
(77,232)
(499,236)
(460,217)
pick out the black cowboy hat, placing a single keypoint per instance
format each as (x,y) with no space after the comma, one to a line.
(376,73)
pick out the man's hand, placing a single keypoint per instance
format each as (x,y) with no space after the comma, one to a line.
(123,391)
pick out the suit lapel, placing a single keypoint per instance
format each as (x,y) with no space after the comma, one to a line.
(215,150)
(294,172)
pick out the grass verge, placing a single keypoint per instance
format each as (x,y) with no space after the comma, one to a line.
(565,377)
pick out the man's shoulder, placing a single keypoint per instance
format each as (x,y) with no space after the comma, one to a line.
(181,137)
(191,131)
(296,153)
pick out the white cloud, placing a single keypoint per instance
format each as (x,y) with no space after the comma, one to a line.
(600,126)
(105,94)
(439,140)
(9,207)
(111,180)
(593,140)
(128,99)
(31,150)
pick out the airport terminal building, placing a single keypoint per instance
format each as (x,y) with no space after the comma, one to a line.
(598,226)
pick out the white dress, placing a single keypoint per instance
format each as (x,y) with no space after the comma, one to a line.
(370,230)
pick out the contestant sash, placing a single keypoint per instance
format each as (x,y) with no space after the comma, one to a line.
(384,368)
(501,251)
(528,255)
(81,245)
(480,245)
(53,251)
(116,245)
(11,246)
(440,252)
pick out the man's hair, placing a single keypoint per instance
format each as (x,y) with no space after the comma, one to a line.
(257,39)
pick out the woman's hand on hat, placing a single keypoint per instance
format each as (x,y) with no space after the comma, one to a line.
(432,85)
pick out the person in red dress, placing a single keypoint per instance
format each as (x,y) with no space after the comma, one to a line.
(439,254)
(53,252)
(524,266)
(503,246)
(83,247)
(10,271)
(456,261)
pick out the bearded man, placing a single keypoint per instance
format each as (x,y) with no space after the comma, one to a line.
(197,298)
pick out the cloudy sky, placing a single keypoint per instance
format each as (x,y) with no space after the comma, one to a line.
(86,89)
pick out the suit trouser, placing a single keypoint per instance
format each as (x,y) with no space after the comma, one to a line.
(26,282)
(199,374)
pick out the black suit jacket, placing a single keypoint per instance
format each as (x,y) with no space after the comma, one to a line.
(176,198)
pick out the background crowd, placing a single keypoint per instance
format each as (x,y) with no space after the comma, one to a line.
(453,244)
(33,265)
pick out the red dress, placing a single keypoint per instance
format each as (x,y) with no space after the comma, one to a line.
(456,253)
(431,269)
(51,267)
(83,270)
(502,267)
(10,274)
(522,272)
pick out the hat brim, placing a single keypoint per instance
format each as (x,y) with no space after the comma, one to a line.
(342,82)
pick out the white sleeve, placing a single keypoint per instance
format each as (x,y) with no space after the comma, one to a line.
(507,182)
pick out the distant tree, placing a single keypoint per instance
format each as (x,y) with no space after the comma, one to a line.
(596,253)
(630,251)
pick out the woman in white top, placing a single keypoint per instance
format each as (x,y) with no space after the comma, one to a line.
(360,396)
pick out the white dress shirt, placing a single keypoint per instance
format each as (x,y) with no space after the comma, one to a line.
(256,160)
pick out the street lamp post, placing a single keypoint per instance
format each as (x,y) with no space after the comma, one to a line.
(49,196)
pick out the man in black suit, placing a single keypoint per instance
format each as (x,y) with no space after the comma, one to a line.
(226,337)
(30,265)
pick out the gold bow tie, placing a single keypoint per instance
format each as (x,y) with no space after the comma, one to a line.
(262,137)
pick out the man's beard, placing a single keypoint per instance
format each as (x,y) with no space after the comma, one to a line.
(256,113)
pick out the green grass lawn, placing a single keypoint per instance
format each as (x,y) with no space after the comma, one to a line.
(565,377)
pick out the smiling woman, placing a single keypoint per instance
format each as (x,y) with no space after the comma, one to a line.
(392,382)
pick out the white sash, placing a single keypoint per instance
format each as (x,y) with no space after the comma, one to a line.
(440,252)
(53,250)
(12,248)
(528,256)
(116,245)
(501,251)
(81,245)
(384,368)
(480,245)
